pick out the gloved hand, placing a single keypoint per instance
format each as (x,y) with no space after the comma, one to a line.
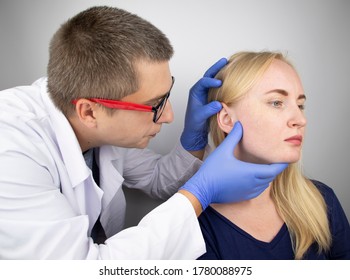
(195,134)
(222,178)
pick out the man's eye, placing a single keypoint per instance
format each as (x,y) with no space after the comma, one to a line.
(157,102)
(152,103)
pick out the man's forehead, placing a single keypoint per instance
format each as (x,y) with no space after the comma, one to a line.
(149,92)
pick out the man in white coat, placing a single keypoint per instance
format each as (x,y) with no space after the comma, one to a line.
(70,141)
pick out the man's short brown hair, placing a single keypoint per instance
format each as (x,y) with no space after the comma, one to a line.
(94,53)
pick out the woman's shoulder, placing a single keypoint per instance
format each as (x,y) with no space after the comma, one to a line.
(323,188)
(329,196)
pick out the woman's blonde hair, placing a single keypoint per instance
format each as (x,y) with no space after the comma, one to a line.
(297,199)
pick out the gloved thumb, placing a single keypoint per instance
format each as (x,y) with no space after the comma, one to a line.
(233,138)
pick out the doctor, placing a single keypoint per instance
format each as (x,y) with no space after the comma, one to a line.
(71,140)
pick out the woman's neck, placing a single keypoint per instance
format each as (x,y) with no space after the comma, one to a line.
(258,216)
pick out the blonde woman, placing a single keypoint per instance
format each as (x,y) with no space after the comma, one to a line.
(294,218)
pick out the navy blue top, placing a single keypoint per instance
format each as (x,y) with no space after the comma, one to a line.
(226,241)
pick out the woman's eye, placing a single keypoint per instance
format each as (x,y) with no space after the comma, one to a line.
(301,107)
(277,103)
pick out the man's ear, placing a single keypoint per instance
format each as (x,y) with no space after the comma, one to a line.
(226,118)
(85,110)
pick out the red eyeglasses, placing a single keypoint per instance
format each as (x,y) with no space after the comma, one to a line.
(123,105)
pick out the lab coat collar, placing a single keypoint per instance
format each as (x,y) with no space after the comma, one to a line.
(66,141)
(87,195)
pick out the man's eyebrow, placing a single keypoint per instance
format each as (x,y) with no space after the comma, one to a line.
(162,96)
(285,93)
(156,98)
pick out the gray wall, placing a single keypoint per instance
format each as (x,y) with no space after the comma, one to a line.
(315,34)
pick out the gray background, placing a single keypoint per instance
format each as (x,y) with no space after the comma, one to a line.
(314,33)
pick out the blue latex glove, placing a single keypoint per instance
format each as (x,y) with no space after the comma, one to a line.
(195,134)
(222,178)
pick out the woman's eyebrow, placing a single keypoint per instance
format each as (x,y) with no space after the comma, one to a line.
(285,93)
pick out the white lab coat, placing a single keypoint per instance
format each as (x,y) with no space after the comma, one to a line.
(49,200)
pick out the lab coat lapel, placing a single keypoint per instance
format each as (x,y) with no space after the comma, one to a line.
(77,183)
(88,196)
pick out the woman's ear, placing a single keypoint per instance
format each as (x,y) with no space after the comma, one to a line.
(226,118)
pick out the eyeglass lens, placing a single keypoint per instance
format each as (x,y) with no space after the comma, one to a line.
(160,108)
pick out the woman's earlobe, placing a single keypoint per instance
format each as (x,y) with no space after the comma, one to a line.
(226,118)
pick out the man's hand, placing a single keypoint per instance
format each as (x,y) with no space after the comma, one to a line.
(222,178)
(195,134)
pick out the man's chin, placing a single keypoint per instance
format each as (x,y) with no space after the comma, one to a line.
(143,144)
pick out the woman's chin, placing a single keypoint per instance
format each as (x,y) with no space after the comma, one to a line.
(288,160)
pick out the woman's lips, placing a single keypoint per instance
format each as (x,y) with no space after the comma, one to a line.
(296,140)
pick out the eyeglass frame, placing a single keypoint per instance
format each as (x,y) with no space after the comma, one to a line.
(124,105)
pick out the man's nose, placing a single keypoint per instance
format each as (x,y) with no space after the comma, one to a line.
(167,115)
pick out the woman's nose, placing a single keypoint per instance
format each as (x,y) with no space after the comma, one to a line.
(297,118)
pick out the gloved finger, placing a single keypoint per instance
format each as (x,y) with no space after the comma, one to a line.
(233,138)
(261,182)
(258,190)
(267,171)
(215,68)
(204,84)
(210,109)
